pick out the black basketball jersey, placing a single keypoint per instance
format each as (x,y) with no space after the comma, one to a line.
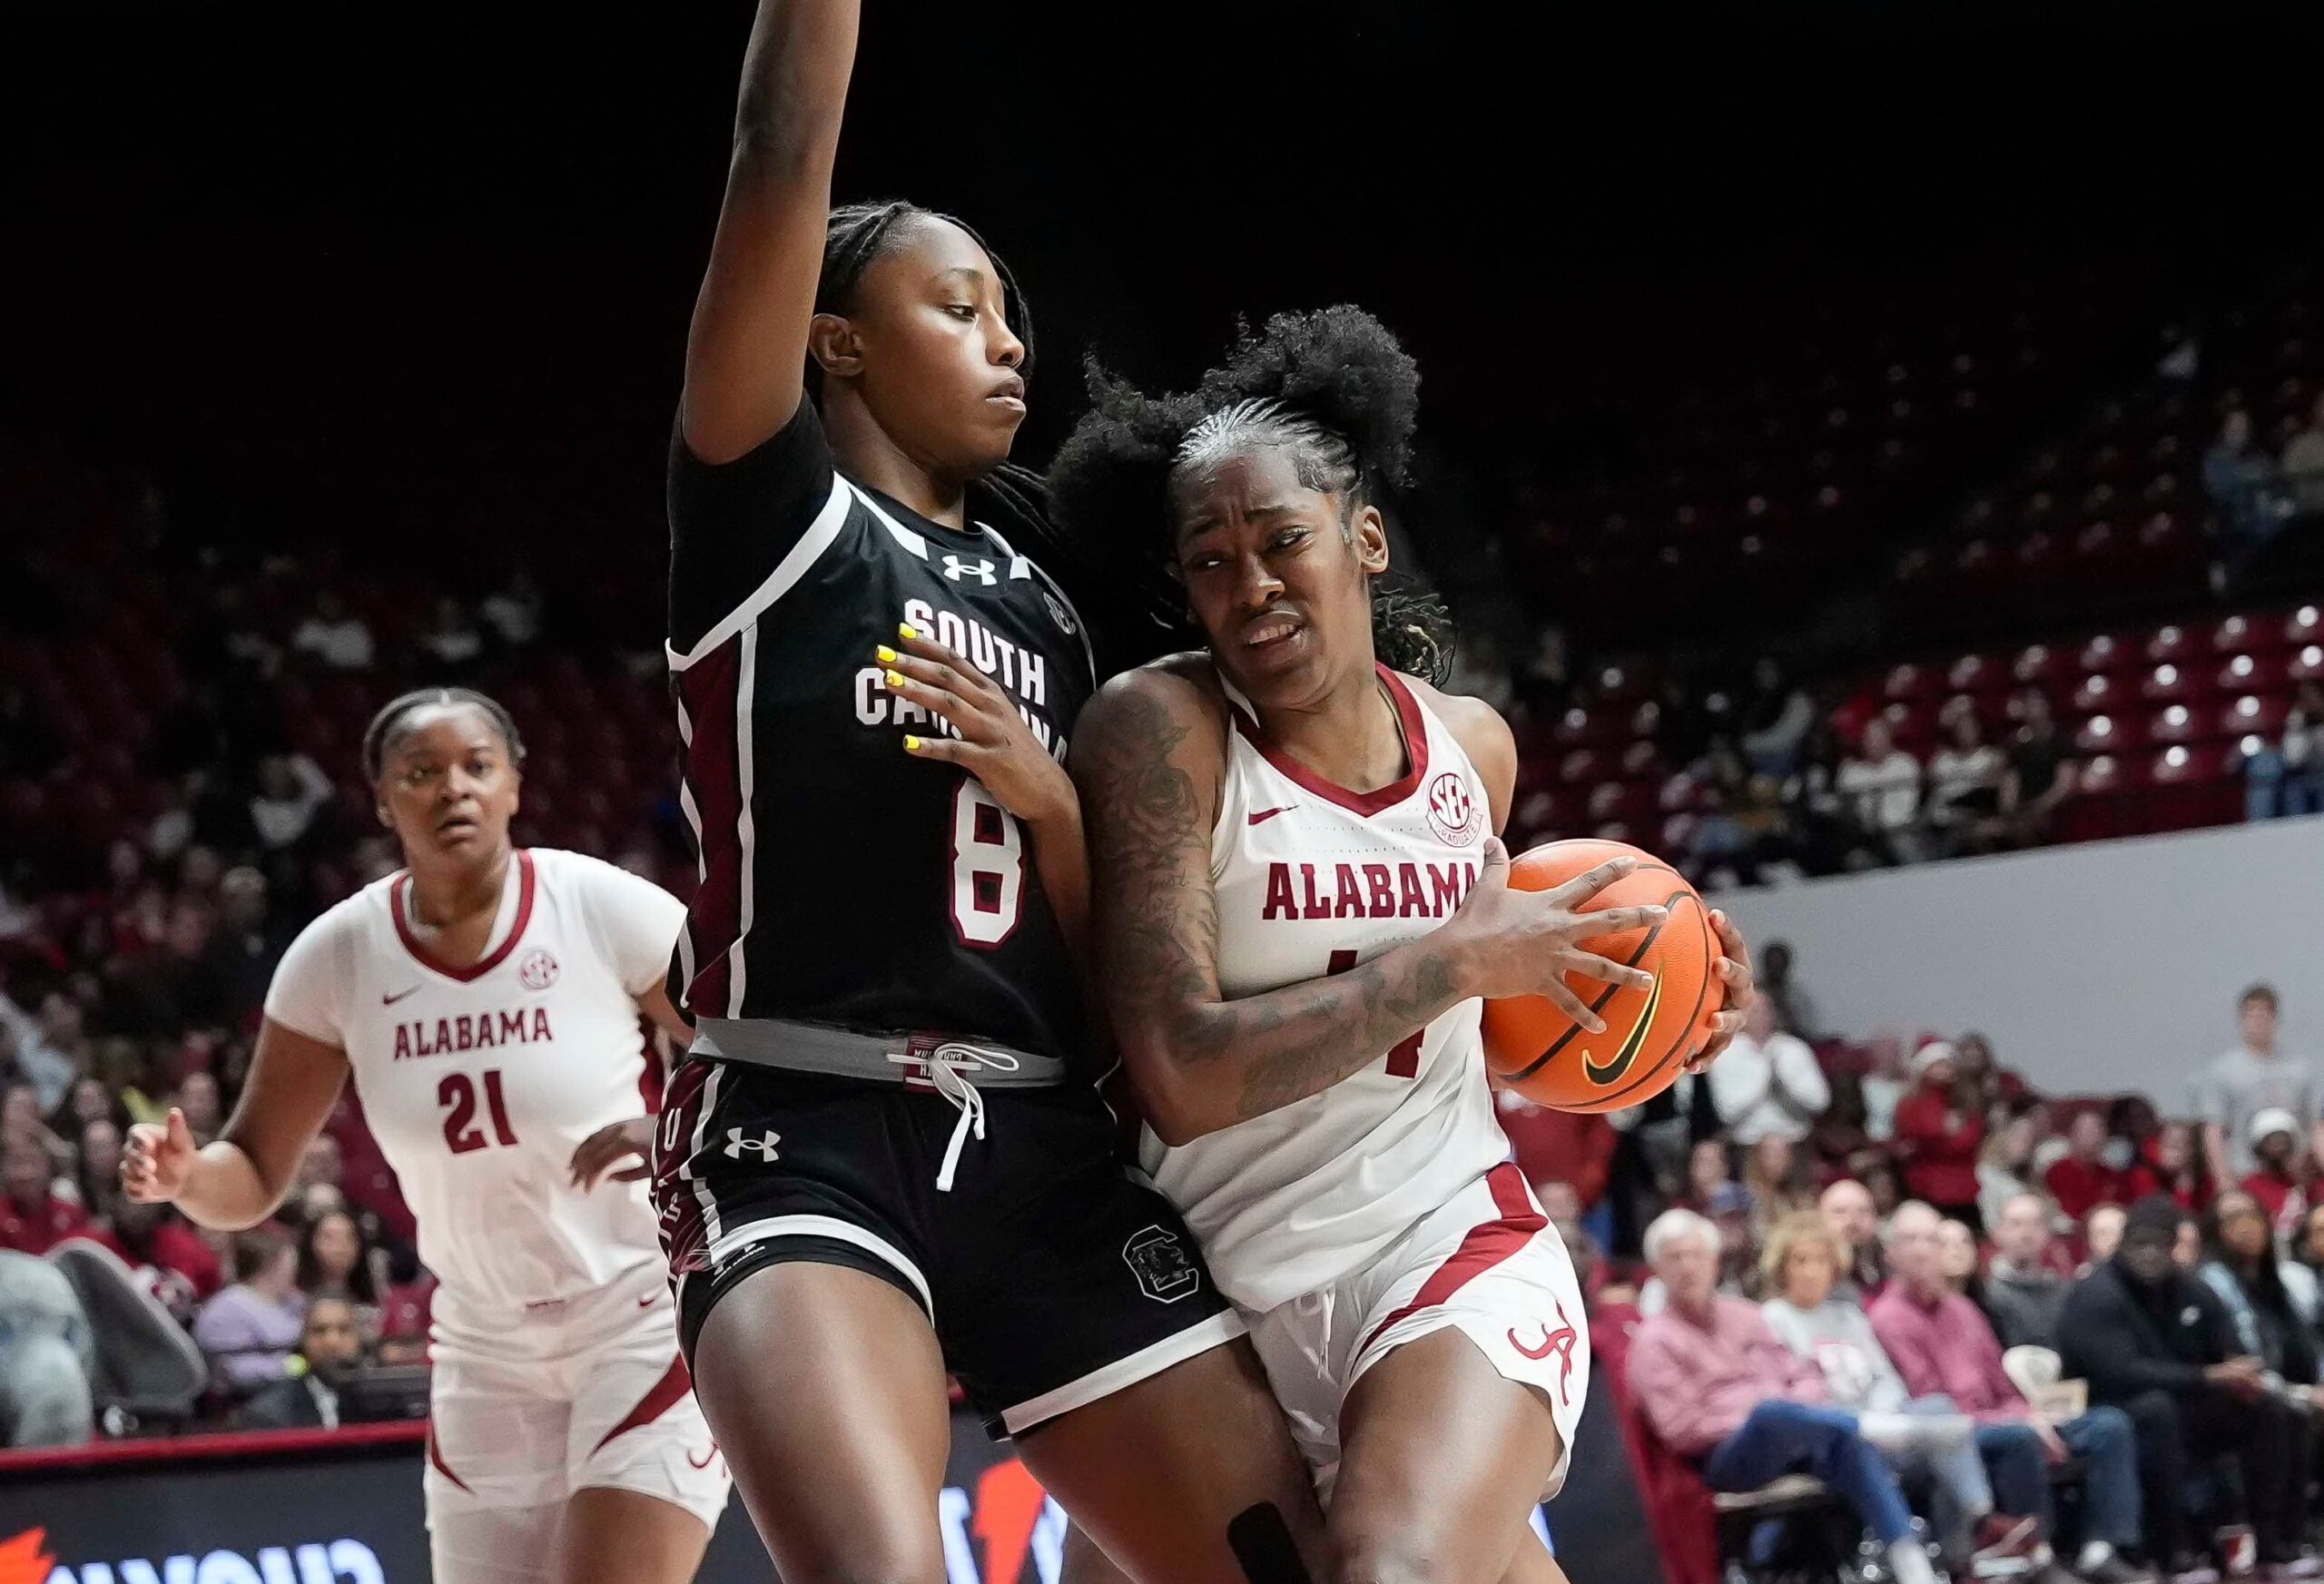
(842,880)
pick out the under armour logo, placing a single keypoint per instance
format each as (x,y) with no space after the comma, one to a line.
(956,569)
(763,1147)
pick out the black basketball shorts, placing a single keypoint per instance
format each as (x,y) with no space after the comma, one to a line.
(1052,1276)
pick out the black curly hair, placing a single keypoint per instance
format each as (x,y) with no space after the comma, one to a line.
(388,724)
(1331,387)
(855,236)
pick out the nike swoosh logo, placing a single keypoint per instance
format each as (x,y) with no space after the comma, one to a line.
(1630,1042)
(704,1461)
(399,995)
(1264,815)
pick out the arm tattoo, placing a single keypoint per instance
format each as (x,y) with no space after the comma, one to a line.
(1156,927)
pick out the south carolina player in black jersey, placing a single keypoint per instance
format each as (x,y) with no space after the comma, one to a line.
(885,1157)
(484,1000)
(1310,1065)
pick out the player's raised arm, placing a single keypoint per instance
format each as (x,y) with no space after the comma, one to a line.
(746,351)
(1146,756)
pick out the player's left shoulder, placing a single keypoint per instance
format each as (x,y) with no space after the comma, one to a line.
(1476,726)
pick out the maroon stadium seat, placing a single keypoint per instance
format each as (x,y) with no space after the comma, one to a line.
(2175,724)
(2305,664)
(2251,713)
(2172,642)
(2109,734)
(2304,625)
(2039,664)
(1581,765)
(2169,683)
(1977,673)
(2250,673)
(1910,682)
(2096,694)
(2106,652)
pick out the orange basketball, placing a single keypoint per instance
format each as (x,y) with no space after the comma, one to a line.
(1545,1056)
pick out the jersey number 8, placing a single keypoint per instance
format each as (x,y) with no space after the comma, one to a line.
(988,867)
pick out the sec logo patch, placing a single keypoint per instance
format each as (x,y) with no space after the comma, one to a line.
(537,970)
(1455,816)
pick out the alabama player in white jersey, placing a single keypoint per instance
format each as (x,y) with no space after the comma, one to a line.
(1299,901)
(486,1002)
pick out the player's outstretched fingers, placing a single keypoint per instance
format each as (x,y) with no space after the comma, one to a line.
(1590,966)
(1590,881)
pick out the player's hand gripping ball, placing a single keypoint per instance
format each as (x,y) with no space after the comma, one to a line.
(1651,1034)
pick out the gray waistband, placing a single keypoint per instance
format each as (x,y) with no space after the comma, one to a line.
(889,1058)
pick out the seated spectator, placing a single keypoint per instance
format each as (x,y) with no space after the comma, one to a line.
(34,1217)
(1839,1136)
(2085,1177)
(197,1097)
(1883,785)
(2155,1342)
(450,642)
(2279,1180)
(1563,1206)
(2005,1164)
(2303,462)
(1775,719)
(334,634)
(2175,1161)
(2101,1235)
(1775,1174)
(20,1123)
(1847,1210)
(1957,1259)
(1922,1437)
(1794,1008)
(48,1048)
(331,1346)
(167,1255)
(1723,1392)
(2023,1295)
(250,1328)
(1940,1344)
(1939,1138)
(2245,489)
(1575,1147)
(2303,1273)
(2037,776)
(1965,781)
(1708,1169)
(1767,1084)
(46,1354)
(333,1260)
(2239,1265)
(2286,777)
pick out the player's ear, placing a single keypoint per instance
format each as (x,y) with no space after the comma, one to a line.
(1368,532)
(831,341)
(385,818)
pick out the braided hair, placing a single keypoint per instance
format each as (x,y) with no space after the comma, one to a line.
(1331,388)
(388,724)
(858,234)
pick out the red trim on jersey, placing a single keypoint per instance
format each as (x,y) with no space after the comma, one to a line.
(1408,715)
(674,1385)
(436,1456)
(709,689)
(1485,1247)
(491,959)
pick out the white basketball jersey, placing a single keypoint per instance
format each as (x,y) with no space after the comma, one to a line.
(1312,880)
(478,1082)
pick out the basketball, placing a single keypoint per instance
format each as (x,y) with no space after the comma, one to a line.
(1536,1050)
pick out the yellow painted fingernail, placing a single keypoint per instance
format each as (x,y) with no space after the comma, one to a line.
(884,655)
(907,629)
(896,679)
(912,744)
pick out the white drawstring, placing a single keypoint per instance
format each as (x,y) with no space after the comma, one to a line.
(947,1068)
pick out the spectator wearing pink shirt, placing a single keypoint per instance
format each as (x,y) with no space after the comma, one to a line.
(1940,1342)
(1720,1388)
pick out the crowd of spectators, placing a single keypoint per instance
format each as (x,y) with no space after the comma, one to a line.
(1946,1295)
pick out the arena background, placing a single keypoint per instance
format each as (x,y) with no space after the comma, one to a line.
(399,295)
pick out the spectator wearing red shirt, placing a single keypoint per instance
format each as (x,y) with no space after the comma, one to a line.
(1558,1146)
(33,1219)
(2172,1159)
(2083,1179)
(2279,1184)
(1939,1138)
